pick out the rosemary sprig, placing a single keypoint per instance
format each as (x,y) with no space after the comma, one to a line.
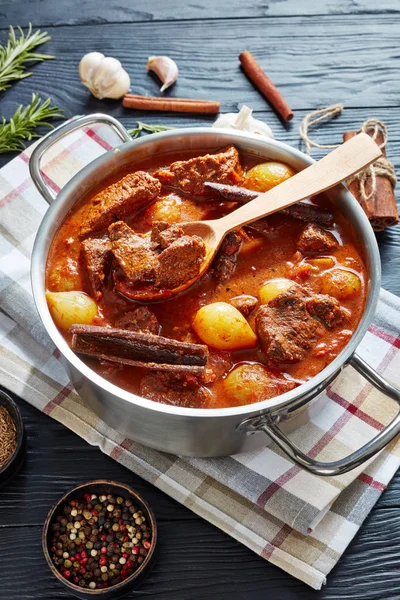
(17,52)
(22,124)
(135,133)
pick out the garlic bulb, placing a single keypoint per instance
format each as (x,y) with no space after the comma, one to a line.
(104,76)
(165,68)
(244,121)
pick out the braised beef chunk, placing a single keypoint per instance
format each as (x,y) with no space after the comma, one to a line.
(119,200)
(134,253)
(180,262)
(95,255)
(163,234)
(315,239)
(226,258)
(190,175)
(174,389)
(244,303)
(327,309)
(261,226)
(285,328)
(141,319)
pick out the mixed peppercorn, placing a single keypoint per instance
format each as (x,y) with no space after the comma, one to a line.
(99,541)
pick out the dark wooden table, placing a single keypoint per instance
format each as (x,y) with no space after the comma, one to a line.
(318,53)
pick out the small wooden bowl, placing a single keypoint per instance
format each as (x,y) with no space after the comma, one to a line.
(15,461)
(102,486)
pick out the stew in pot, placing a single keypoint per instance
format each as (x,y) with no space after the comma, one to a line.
(281,300)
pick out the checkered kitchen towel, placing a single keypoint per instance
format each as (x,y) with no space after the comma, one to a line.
(295,520)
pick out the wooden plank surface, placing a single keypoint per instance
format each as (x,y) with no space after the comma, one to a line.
(314,61)
(347,52)
(49,12)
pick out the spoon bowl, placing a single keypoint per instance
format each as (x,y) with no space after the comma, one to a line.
(340,164)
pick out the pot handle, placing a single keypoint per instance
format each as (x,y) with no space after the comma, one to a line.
(268,424)
(60,132)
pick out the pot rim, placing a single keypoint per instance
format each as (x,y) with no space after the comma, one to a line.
(38,263)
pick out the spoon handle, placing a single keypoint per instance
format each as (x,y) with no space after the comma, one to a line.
(335,167)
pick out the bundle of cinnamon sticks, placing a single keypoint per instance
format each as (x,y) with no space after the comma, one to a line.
(379,204)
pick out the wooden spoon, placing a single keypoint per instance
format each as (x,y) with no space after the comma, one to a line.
(338,165)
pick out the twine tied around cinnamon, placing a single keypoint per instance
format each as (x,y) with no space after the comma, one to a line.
(381,167)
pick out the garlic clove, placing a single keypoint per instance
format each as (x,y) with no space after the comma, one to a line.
(243,121)
(243,118)
(165,68)
(87,66)
(104,76)
(120,87)
(260,128)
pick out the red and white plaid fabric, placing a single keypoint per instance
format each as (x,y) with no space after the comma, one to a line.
(295,520)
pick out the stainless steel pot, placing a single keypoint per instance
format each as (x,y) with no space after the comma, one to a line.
(190,431)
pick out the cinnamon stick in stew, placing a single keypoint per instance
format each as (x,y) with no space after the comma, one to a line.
(381,209)
(188,105)
(138,349)
(301,211)
(264,85)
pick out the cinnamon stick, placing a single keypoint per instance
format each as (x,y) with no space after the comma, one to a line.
(121,360)
(381,209)
(301,211)
(264,85)
(189,105)
(136,349)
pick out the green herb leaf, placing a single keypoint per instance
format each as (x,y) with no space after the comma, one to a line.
(23,123)
(136,132)
(18,51)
